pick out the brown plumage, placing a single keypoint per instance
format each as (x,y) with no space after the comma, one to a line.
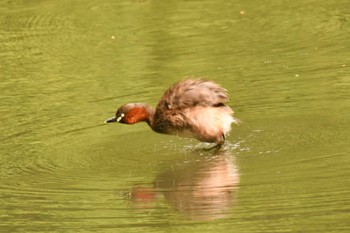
(189,108)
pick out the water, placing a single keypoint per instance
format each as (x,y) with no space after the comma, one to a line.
(65,67)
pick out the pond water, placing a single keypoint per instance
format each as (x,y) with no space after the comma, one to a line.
(66,66)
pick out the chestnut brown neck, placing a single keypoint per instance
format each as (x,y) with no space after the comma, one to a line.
(140,112)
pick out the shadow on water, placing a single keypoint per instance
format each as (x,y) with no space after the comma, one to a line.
(199,188)
(117,97)
(81,129)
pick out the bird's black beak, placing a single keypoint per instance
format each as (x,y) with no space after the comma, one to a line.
(111,120)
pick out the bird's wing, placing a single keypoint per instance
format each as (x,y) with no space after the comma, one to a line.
(189,93)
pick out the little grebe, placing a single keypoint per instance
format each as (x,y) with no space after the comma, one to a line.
(189,108)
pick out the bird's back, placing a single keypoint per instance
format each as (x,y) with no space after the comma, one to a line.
(190,93)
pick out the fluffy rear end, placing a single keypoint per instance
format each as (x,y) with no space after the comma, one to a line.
(210,124)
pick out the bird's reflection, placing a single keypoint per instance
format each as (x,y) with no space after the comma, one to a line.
(201,187)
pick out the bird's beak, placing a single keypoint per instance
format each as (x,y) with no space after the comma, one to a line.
(111,120)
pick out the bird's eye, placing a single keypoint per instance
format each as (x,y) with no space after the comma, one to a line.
(120,117)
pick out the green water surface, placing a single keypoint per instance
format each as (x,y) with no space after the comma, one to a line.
(65,66)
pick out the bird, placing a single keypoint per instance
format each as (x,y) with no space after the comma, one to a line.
(191,108)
